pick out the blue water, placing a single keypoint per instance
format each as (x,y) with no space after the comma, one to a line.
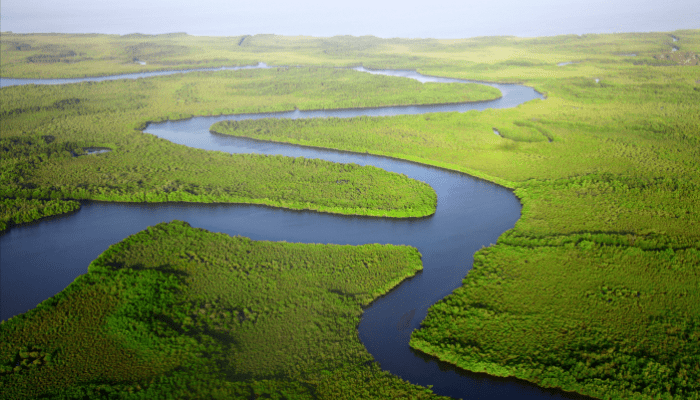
(40,259)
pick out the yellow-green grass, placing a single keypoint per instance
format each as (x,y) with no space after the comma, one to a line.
(650,163)
(42,126)
(179,312)
(71,55)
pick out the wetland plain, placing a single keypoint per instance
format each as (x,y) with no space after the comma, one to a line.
(590,288)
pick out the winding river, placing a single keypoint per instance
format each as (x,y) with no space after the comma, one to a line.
(40,259)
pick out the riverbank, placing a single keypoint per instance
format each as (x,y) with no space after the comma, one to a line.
(214,328)
(569,213)
(39,166)
(566,298)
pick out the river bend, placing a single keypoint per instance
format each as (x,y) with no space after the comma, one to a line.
(40,259)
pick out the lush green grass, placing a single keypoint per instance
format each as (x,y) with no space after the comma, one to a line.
(595,289)
(607,321)
(178,312)
(43,126)
(641,177)
(611,210)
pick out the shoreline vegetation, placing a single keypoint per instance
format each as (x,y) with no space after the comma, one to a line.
(60,121)
(593,291)
(180,312)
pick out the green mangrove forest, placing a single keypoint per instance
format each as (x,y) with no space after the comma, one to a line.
(45,126)
(175,312)
(595,290)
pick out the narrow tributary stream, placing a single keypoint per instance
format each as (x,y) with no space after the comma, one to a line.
(38,260)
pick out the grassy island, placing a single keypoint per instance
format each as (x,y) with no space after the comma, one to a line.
(595,290)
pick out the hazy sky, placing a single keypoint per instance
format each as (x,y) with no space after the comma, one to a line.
(410,19)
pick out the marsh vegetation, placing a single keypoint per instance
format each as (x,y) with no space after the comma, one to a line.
(593,291)
(178,312)
(43,126)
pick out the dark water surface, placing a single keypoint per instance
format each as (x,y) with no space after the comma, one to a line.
(40,259)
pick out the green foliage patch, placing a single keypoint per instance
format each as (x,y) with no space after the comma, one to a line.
(607,321)
(44,127)
(594,290)
(602,169)
(178,312)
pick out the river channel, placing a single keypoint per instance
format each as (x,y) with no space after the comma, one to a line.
(40,259)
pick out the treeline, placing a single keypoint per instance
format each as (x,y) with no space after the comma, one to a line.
(18,211)
(295,183)
(178,312)
(21,201)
